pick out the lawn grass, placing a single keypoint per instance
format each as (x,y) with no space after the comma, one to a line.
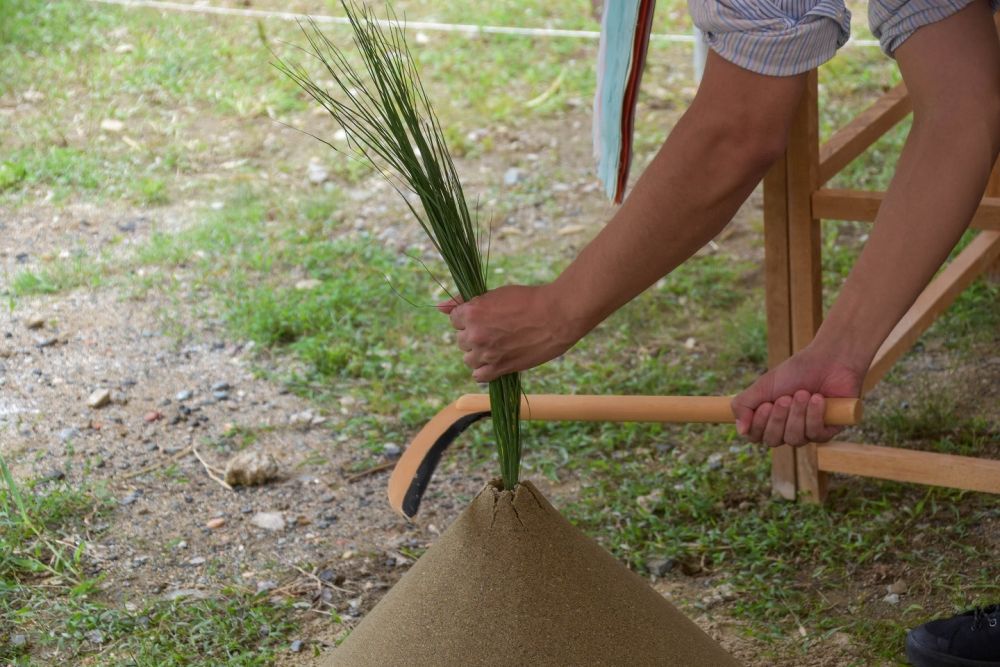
(195,93)
(51,597)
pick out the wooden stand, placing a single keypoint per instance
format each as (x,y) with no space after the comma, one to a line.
(794,203)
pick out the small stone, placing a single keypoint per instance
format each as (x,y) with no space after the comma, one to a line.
(130,498)
(182,593)
(301,419)
(68,434)
(35,322)
(112,125)
(650,500)
(659,566)
(391,450)
(221,386)
(296,646)
(899,587)
(94,636)
(184,395)
(251,468)
(197,560)
(317,173)
(308,284)
(152,416)
(891,598)
(19,640)
(568,230)
(715,461)
(53,475)
(220,395)
(268,520)
(216,523)
(266,585)
(99,398)
(512,176)
(690,342)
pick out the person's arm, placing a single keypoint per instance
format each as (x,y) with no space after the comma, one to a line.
(952,73)
(736,127)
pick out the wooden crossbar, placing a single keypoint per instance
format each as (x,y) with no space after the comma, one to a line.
(910,465)
(854,138)
(939,294)
(863,205)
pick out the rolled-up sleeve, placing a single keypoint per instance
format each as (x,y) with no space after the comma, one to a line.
(773,37)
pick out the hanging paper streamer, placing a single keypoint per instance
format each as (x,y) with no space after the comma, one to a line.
(624,37)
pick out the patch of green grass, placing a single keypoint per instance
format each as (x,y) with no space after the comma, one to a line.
(61,275)
(932,417)
(848,84)
(35,546)
(67,172)
(237,628)
(746,334)
(47,597)
(11,173)
(151,191)
(974,317)
(791,564)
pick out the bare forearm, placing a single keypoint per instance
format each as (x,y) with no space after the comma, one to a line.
(688,193)
(940,178)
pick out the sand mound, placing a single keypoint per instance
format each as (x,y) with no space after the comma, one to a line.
(513,582)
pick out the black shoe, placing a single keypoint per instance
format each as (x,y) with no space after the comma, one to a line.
(971,639)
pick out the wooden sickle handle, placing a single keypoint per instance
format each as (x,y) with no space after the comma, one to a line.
(681,409)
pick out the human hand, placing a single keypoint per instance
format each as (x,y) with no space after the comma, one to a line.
(786,405)
(511,329)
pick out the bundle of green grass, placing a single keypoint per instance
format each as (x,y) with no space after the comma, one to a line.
(389,122)
(511,580)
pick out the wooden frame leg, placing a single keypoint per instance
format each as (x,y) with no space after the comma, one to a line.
(778,307)
(804,266)
(993,190)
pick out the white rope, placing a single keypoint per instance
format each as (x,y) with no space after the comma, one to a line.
(429,26)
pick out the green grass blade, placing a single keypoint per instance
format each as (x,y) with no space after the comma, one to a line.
(387,115)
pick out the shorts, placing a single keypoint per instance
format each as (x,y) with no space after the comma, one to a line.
(785,37)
